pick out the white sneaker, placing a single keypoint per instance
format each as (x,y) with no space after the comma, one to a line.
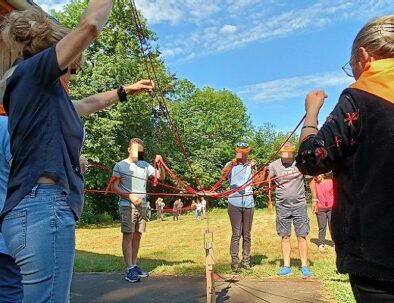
(322,247)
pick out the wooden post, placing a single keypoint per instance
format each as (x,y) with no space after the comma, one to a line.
(209,262)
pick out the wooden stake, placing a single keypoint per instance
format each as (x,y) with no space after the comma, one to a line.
(209,262)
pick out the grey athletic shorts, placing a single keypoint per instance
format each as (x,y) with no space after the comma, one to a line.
(299,217)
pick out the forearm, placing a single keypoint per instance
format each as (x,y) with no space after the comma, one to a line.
(119,191)
(90,26)
(95,103)
(162,173)
(97,13)
(310,122)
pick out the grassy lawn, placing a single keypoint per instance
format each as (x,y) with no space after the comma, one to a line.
(177,248)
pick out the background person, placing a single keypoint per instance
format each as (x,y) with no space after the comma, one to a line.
(240,205)
(11,289)
(175,210)
(133,203)
(291,208)
(322,206)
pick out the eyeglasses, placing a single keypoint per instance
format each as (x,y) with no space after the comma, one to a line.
(242,145)
(347,68)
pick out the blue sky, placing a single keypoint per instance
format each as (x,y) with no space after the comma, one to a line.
(269,52)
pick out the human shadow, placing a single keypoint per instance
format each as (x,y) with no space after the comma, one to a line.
(257,259)
(327,242)
(223,296)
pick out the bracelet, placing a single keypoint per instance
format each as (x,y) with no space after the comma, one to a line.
(121,93)
(310,126)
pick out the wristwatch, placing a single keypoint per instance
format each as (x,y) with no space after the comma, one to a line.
(121,93)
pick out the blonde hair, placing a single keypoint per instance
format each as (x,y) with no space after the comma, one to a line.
(377,37)
(31,31)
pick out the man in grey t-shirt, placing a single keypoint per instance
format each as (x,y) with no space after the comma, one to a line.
(131,175)
(290,207)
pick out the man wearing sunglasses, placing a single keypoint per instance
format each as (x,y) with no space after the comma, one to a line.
(291,207)
(240,205)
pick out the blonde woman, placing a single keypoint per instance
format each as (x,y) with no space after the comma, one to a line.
(45,188)
(357,144)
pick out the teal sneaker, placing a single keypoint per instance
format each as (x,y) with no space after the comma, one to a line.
(285,271)
(305,272)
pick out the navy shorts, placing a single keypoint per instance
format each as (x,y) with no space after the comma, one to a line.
(299,217)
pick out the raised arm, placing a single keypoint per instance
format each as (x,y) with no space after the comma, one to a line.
(320,150)
(90,26)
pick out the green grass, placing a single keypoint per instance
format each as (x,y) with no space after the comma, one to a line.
(177,248)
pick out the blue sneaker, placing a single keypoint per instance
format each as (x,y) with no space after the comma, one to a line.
(141,273)
(285,271)
(132,276)
(305,272)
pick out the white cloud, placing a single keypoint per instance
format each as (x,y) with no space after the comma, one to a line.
(175,11)
(260,21)
(159,11)
(228,29)
(48,5)
(283,89)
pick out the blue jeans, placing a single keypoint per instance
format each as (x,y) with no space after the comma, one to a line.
(40,234)
(11,289)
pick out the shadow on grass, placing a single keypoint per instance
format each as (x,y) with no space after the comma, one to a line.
(327,242)
(114,224)
(86,261)
(293,262)
(257,259)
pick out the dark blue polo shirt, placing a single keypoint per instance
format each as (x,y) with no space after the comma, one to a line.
(46,134)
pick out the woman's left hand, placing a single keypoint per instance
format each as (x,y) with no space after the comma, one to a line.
(140,86)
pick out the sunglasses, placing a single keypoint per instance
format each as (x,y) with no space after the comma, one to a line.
(242,145)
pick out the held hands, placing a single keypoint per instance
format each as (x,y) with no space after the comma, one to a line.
(253,163)
(140,86)
(136,201)
(314,206)
(158,159)
(314,101)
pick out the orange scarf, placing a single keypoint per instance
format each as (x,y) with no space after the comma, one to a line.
(378,79)
(65,86)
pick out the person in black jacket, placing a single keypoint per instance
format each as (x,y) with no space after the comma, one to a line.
(357,143)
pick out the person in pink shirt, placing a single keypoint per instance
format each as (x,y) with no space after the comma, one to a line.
(322,205)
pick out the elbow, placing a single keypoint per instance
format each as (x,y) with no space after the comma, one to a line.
(91,28)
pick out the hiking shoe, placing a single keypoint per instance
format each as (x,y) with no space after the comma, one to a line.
(305,272)
(246,266)
(132,276)
(235,268)
(141,273)
(322,247)
(285,271)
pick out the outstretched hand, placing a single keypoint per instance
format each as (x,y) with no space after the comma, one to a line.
(140,86)
(314,101)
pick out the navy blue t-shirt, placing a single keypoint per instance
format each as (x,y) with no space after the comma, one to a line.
(46,133)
